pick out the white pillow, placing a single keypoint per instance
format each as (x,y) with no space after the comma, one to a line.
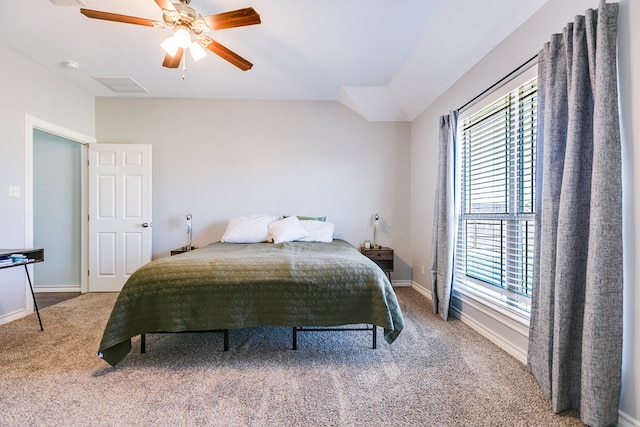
(317,231)
(248,229)
(287,230)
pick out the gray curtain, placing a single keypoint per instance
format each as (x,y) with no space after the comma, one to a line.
(575,336)
(444,218)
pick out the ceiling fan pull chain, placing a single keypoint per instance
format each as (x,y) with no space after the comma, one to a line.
(184,65)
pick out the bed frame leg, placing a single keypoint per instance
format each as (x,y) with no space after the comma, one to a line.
(143,343)
(375,337)
(294,335)
(226,339)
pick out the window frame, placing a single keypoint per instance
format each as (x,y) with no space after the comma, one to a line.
(505,301)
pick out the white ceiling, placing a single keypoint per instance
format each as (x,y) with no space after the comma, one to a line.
(386,60)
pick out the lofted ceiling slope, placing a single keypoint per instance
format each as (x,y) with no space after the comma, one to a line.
(386,60)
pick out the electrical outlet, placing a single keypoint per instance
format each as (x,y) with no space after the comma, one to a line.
(422,268)
(14,191)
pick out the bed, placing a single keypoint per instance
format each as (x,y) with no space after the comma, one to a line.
(226,286)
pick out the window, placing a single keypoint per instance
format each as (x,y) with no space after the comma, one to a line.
(496,218)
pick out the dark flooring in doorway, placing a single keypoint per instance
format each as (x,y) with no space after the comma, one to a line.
(46,299)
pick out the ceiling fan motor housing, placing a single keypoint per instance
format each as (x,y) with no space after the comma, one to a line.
(185,16)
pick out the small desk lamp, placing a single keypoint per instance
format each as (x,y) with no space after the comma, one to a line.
(375,229)
(189,246)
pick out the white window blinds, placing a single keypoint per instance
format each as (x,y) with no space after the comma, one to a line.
(494,249)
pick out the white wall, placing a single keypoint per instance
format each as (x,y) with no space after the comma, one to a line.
(28,89)
(217,159)
(518,47)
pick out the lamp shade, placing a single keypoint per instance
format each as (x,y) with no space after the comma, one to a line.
(182,37)
(197,52)
(170,46)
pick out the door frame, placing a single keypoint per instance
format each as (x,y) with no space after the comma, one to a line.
(31,124)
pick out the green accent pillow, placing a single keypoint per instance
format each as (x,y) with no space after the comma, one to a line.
(309,218)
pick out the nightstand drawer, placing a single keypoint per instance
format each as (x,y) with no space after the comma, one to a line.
(181,250)
(380,254)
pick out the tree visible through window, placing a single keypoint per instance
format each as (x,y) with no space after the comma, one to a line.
(497,160)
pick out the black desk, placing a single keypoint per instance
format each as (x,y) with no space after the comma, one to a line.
(32,256)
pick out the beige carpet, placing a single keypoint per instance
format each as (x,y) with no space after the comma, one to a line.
(435,374)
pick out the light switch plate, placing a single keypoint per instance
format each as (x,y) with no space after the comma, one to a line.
(14,191)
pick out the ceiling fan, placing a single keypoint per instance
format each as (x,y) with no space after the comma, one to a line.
(189,28)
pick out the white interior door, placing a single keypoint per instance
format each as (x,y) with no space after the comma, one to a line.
(119,213)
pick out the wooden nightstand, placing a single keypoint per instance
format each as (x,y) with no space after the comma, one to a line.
(382,256)
(181,250)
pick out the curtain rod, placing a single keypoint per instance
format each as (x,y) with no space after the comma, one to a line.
(498,82)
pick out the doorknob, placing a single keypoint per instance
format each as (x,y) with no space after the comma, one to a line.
(145,225)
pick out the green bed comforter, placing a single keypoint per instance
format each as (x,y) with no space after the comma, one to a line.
(230,285)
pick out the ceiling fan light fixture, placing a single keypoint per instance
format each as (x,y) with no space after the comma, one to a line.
(197,52)
(170,46)
(182,37)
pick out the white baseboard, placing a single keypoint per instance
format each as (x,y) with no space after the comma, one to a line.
(495,338)
(625,420)
(46,289)
(15,315)
(401,283)
(424,291)
(499,340)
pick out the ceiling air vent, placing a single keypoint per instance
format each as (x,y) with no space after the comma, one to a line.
(68,2)
(121,84)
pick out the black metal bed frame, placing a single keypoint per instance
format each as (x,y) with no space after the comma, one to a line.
(294,334)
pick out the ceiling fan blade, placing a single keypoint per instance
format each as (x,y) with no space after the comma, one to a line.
(235,18)
(165,4)
(173,61)
(107,16)
(230,56)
